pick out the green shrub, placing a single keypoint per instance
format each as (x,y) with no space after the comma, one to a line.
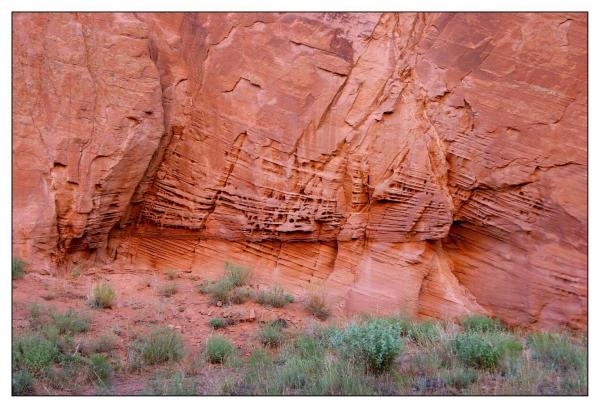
(218,349)
(375,342)
(482,324)
(162,345)
(70,322)
(18,268)
(103,296)
(22,383)
(34,353)
(557,351)
(218,323)
(275,297)
(317,306)
(237,274)
(270,335)
(476,350)
(99,368)
(168,289)
(240,295)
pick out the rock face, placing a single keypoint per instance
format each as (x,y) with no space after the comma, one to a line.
(434,164)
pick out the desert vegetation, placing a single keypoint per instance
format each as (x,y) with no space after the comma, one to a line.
(56,351)
(386,355)
(18,268)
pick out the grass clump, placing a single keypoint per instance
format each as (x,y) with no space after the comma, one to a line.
(317,305)
(99,368)
(557,351)
(168,289)
(218,323)
(271,334)
(103,296)
(275,297)
(172,383)
(240,295)
(34,353)
(481,324)
(18,268)
(237,275)
(229,288)
(218,349)
(424,332)
(220,291)
(69,323)
(102,344)
(22,382)
(160,346)
(374,342)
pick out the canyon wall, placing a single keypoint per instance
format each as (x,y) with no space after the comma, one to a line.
(434,164)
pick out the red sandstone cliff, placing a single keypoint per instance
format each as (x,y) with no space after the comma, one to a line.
(430,163)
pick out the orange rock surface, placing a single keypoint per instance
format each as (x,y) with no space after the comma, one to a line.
(434,164)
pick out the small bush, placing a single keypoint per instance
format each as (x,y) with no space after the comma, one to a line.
(103,296)
(374,342)
(481,324)
(18,268)
(22,382)
(237,275)
(218,323)
(275,297)
(34,353)
(162,345)
(168,289)
(218,349)
(240,295)
(99,368)
(476,350)
(70,322)
(270,335)
(317,306)
(557,351)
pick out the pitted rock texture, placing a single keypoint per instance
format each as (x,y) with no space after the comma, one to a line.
(434,164)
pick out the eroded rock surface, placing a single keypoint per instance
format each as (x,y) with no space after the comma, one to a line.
(430,163)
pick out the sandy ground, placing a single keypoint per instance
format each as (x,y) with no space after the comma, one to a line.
(139,307)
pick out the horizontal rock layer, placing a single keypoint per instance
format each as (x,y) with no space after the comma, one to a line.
(430,163)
